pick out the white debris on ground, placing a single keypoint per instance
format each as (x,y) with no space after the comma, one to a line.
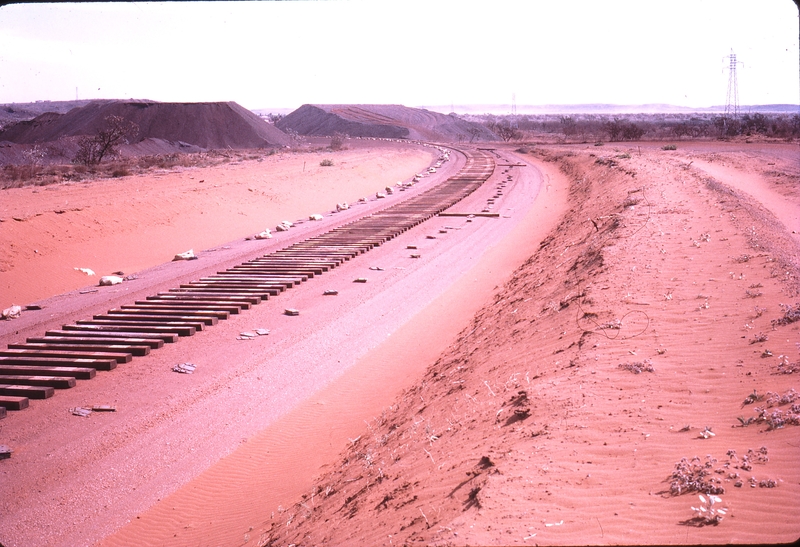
(315,217)
(12,313)
(266,234)
(188,255)
(81,411)
(184,368)
(87,271)
(251,334)
(107,280)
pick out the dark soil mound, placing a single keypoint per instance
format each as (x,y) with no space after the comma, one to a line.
(11,113)
(206,125)
(388,121)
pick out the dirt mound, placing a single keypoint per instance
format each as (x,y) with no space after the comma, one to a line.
(602,390)
(206,125)
(386,121)
(11,113)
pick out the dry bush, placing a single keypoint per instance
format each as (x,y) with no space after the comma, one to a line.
(790,314)
(638,367)
(337,142)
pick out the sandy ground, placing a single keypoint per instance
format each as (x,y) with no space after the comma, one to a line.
(115,454)
(132,223)
(496,410)
(532,428)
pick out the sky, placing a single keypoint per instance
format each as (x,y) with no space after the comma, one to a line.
(266,54)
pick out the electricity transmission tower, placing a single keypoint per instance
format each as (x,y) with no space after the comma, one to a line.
(732,102)
(514,110)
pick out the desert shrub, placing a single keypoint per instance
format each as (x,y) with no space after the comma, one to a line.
(669,147)
(695,476)
(638,367)
(790,314)
(623,130)
(326,163)
(337,142)
(92,149)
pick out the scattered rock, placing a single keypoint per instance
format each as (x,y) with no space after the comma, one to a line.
(184,368)
(12,313)
(83,412)
(188,255)
(107,280)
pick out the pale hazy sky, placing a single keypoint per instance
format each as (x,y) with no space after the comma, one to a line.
(417,53)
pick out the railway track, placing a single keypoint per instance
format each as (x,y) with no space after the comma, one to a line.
(58,359)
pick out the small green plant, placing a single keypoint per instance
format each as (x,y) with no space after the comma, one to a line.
(752,398)
(669,147)
(695,476)
(707,513)
(624,156)
(785,367)
(326,163)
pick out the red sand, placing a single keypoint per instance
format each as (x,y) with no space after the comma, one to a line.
(527,431)
(516,425)
(131,223)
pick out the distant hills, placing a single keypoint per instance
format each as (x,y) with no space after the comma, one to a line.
(383,120)
(182,127)
(608,109)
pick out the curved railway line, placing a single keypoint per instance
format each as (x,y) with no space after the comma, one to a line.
(56,360)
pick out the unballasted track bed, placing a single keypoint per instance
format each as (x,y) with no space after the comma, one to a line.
(41,365)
